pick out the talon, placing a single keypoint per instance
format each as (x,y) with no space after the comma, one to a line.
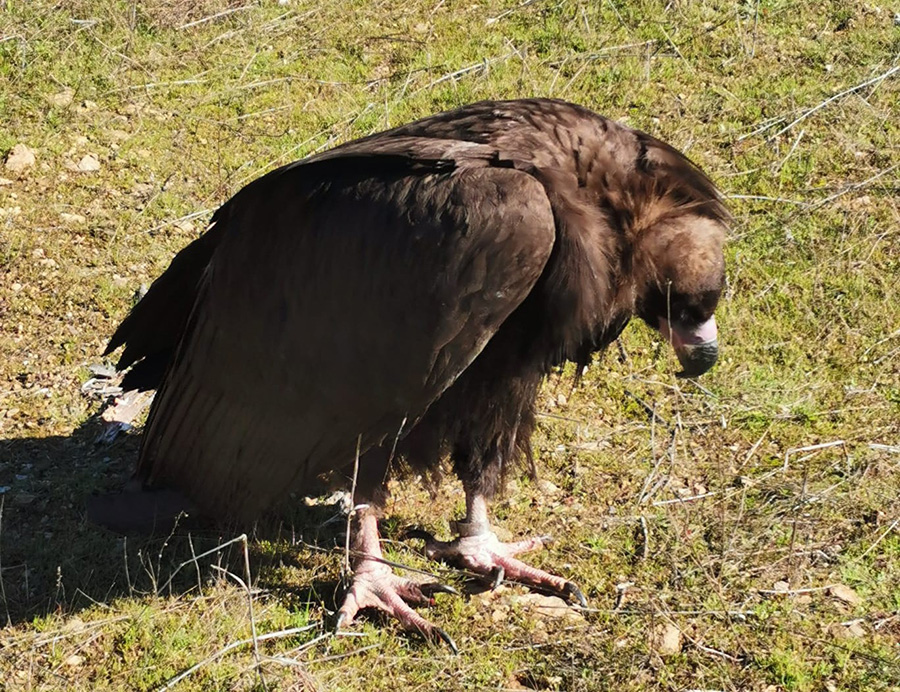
(438,632)
(431,589)
(572,590)
(420,534)
(497,575)
(339,621)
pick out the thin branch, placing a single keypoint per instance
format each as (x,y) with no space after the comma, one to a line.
(215,16)
(347,570)
(879,539)
(231,647)
(808,112)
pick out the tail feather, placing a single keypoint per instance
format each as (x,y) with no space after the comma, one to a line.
(154,327)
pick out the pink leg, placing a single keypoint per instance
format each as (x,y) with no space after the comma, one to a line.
(479,550)
(376,586)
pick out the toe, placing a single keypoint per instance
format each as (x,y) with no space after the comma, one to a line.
(444,637)
(346,614)
(572,590)
(527,545)
(436,587)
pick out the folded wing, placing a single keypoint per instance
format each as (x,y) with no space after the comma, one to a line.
(343,296)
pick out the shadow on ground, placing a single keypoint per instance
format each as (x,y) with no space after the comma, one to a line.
(53,560)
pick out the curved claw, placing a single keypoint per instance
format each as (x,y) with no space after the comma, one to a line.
(497,575)
(431,589)
(572,590)
(420,534)
(339,622)
(441,634)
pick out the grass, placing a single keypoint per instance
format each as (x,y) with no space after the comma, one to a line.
(722,512)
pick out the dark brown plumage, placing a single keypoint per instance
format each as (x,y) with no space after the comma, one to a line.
(415,286)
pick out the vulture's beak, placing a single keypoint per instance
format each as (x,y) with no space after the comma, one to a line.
(697,347)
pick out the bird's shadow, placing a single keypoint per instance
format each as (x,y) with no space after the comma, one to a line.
(53,560)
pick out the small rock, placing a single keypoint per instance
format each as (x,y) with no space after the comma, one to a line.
(844,593)
(547,487)
(666,639)
(803,599)
(5,181)
(546,606)
(20,158)
(63,98)
(74,660)
(854,629)
(185,226)
(89,163)
(781,586)
(72,218)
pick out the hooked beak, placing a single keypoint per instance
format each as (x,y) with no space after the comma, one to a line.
(697,347)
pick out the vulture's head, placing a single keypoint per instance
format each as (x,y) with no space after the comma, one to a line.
(680,273)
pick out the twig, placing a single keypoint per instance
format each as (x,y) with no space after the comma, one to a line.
(352,511)
(483,65)
(186,217)
(794,592)
(335,657)
(790,153)
(215,16)
(893,335)
(764,198)
(194,559)
(810,448)
(803,116)
(493,20)
(246,586)
(679,500)
(879,539)
(231,647)
(895,449)
(643,497)
(854,186)
(250,607)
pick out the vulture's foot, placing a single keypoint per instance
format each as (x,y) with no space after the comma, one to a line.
(376,586)
(486,555)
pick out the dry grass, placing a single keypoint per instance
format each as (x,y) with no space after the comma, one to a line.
(740,510)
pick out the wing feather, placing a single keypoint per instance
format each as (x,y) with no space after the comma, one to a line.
(343,299)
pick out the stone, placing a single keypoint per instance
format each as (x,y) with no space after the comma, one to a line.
(666,639)
(20,158)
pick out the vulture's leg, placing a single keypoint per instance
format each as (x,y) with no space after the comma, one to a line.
(479,550)
(375,585)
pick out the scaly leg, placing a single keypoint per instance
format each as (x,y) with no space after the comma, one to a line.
(374,585)
(479,550)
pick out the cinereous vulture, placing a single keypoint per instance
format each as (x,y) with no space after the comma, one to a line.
(405,294)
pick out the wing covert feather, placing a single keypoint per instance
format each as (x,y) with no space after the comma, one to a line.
(339,303)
